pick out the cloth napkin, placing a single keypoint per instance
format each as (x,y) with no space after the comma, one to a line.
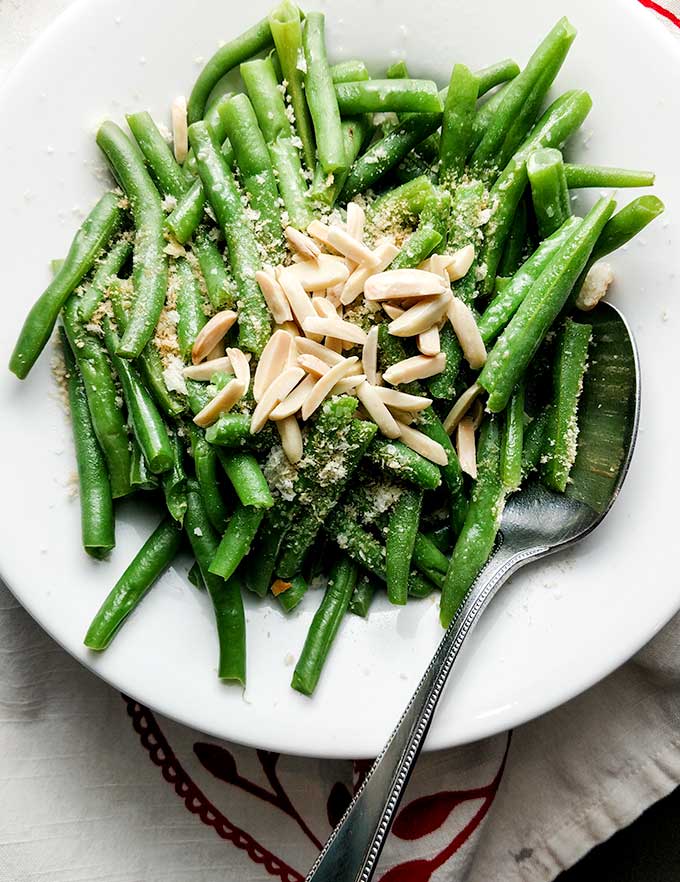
(96,788)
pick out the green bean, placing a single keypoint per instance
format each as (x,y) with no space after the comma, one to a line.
(195,577)
(325,626)
(225,596)
(414,166)
(286,27)
(102,398)
(429,559)
(322,97)
(516,244)
(429,236)
(140,476)
(485,113)
(257,175)
(233,430)
(402,462)
(225,199)
(214,122)
(97,230)
(293,596)
(205,466)
(159,157)
(398,70)
(150,264)
(350,71)
(495,74)
(562,430)
(236,541)
(231,55)
(260,563)
(270,109)
(175,481)
(534,442)
(506,303)
(96,502)
(625,225)
(147,424)
(459,113)
(476,540)
(403,203)
(464,220)
(326,188)
(543,65)
(154,557)
(539,309)
(361,598)
(109,266)
(441,538)
(579,176)
(401,537)
(190,308)
(559,121)
(246,477)
(214,272)
(549,193)
(512,440)
(382,96)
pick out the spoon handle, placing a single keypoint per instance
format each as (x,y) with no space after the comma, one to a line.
(353,848)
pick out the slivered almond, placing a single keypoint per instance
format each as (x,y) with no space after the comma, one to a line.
(274,395)
(393,311)
(274,297)
(224,400)
(416,368)
(477,414)
(369,356)
(289,328)
(355,284)
(313,365)
(305,247)
(324,307)
(465,327)
(377,411)
(461,407)
(320,231)
(402,400)
(347,384)
(324,385)
(421,317)
(428,342)
(292,403)
(460,263)
(333,344)
(423,445)
(272,362)
(211,333)
(356,219)
(240,366)
(291,360)
(333,294)
(300,302)
(401,284)
(317,275)
(334,327)
(218,351)
(465,446)
(350,247)
(310,347)
(206,369)
(291,441)
(180,136)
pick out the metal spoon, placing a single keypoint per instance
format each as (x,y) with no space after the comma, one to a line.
(536,523)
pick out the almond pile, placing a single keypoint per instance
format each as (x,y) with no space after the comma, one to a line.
(304,362)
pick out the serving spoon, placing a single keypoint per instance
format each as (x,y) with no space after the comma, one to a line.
(535,523)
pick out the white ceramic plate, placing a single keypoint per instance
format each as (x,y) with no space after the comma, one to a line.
(560,626)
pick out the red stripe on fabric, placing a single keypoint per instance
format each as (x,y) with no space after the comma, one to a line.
(667,14)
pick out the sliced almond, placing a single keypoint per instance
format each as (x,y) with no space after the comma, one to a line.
(393,311)
(211,333)
(402,400)
(423,445)
(310,347)
(428,342)
(274,297)
(334,327)
(418,367)
(206,369)
(291,441)
(317,275)
(401,284)
(461,407)
(421,317)
(465,446)
(377,411)
(369,356)
(312,365)
(240,366)
(348,384)
(224,401)
(180,129)
(324,385)
(299,300)
(305,247)
(272,362)
(355,284)
(356,220)
(292,403)
(465,327)
(274,395)
(350,247)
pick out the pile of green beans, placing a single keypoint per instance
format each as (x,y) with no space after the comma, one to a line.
(187,235)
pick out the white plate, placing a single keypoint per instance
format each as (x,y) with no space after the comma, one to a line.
(560,626)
